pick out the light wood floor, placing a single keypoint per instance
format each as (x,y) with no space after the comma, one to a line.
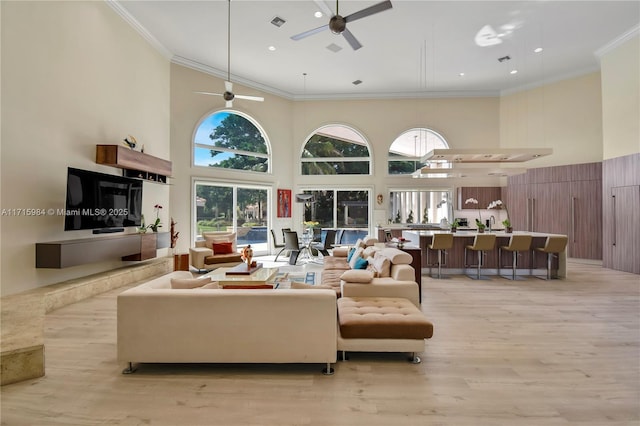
(503,353)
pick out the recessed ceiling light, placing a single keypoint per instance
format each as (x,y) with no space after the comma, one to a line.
(318,14)
(272,48)
(461,74)
(538,49)
(514,71)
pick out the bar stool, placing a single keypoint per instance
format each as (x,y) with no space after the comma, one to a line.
(440,242)
(553,246)
(517,243)
(482,243)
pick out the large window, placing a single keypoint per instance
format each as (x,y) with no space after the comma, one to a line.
(408,148)
(335,150)
(237,208)
(347,210)
(230,140)
(420,206)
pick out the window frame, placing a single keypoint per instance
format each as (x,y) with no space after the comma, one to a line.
(415,159)
(334,160)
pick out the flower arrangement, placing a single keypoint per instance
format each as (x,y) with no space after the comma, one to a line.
(155,225)
(311,224)
(474,201)
(498,204)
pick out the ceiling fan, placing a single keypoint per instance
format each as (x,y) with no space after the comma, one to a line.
(228,94)
(338,24)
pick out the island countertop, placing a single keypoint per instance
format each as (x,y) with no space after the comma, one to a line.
(457,264)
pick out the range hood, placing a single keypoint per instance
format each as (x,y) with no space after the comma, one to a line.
(489,155)
(462,172)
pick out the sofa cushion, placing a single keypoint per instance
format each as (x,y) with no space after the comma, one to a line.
(369,241)
(223,258)
(382,318)
(222,248)
(357,276)
(304,286)
(187,283)
(397,257)
(381,265)
(332,262)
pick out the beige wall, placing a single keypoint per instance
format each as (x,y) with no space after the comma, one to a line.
(565,116)
(288,124)
(621,100)
(74,75)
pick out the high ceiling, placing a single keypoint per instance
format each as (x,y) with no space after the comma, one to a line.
(417,48)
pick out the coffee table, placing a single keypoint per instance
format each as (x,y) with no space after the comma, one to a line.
(259,277)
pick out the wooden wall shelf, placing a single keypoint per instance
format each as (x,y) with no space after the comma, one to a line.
(135,164)
(66,253)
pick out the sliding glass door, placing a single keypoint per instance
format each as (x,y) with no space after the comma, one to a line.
(346,210)
(235,208)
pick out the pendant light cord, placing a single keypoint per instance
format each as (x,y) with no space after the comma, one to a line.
(229,41)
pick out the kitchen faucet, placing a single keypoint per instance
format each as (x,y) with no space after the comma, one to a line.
(491,219)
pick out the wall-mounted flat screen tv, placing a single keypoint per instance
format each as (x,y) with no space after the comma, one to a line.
(99,201)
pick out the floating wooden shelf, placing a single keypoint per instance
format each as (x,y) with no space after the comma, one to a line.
(66,253)
(135,164)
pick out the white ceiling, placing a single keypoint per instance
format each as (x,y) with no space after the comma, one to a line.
(417,48)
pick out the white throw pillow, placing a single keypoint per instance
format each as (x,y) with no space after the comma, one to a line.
(381,265)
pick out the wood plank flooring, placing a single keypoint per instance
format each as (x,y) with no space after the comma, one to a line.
(562,352)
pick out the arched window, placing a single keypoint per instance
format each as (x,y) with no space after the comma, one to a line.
(408,148)
(336,150)
(231,140)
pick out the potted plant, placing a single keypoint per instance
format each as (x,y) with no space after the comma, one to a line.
(454,225)
(480,226)
(507,226)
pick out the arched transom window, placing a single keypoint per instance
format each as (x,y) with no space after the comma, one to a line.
(336,150)
(231,140)
(407,150)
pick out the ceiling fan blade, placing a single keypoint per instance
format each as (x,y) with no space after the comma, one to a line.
(371,10)
(209,93)
(228,104)
(355,44)
(228,86)
(310,32)
(250,98)
(323,7)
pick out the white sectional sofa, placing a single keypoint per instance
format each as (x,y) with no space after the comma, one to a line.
(158,324)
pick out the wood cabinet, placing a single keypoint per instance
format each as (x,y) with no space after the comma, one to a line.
(484,195)
(621,213)
(560,200)
(134,164)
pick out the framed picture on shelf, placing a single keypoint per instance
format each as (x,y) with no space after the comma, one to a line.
(284,203)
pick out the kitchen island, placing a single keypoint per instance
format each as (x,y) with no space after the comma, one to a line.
(454,262)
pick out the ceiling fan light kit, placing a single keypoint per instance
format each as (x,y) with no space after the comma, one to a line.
(228,94)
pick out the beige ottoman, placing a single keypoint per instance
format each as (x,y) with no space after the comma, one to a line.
(381,324)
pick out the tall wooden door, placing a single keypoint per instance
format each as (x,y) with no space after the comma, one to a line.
(626,228)
(585,220)
(549,209)
(516,200)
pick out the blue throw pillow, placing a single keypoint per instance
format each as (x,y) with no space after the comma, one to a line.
(350,255)
(361,263)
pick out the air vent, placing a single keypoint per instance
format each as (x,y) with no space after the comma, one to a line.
(504,58)
(334,48)
(278,21)
(355,83)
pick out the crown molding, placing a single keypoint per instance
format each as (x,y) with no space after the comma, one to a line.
(124,14)
(615,43)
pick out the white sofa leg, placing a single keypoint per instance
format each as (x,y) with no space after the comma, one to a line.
(414,358)
(328,371)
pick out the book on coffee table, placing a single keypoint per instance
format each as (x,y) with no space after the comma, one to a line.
(242,269)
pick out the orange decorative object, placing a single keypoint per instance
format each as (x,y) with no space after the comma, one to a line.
(247,255)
